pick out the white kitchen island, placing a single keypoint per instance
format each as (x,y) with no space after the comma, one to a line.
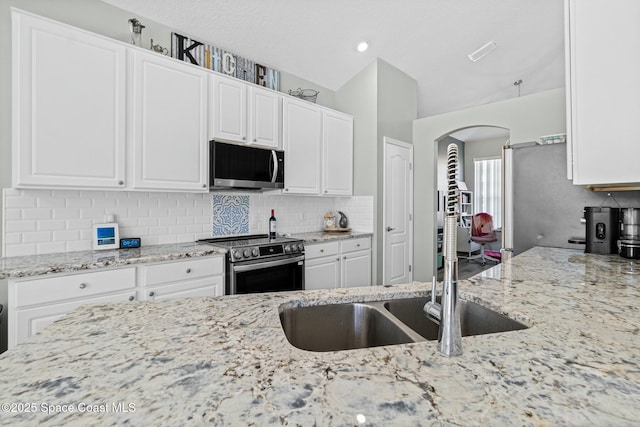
(226,360)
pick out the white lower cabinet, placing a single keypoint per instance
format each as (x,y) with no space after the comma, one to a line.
(36,302)
(338,264)
(180,279)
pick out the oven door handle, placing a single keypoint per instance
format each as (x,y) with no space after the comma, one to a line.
(267,264)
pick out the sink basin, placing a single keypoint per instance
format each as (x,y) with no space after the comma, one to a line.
(474,318)
(349,326)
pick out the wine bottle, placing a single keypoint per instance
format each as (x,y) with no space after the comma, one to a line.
(272,225)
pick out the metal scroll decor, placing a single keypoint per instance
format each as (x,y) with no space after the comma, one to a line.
(222,61)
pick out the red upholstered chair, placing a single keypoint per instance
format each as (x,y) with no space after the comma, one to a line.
(482,232)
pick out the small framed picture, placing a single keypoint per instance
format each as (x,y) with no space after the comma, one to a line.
(106,236)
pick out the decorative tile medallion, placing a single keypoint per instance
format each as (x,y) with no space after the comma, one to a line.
(230,215)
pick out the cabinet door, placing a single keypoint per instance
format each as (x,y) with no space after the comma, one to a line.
(322,273)
(603,88)
(356,269)
(69,99)
(301,139)
(264,117)
(208,287)
(169,124)
(229,105)
(27,322)
(337,154)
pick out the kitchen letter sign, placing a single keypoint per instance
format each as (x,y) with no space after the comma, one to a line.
(222,61)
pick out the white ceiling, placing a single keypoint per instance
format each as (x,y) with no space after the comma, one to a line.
(427,39)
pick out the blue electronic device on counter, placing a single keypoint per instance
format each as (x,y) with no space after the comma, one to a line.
(130,243)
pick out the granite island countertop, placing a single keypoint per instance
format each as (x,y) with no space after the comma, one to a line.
(226,361)
(66,262)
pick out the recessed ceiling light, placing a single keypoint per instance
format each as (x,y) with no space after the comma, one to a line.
(362,46)
(483,51)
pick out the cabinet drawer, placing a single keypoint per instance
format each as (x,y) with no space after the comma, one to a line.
(183,270)
(209,287)
(355,244)
(45,291)
(316,250)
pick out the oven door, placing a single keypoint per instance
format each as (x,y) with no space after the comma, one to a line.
(272,275)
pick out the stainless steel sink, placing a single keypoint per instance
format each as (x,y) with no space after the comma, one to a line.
(474,318)
(350,326)
(334,327)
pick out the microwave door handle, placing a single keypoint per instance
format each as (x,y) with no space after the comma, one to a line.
(274,159)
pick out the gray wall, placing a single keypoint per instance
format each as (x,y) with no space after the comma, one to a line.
(527,118)
(547,206)
(384,102)
(101,18)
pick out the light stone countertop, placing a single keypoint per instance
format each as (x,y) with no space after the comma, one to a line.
(226,361)
(26,266)
(321,236)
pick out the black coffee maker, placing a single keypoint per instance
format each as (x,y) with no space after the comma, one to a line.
(603,229)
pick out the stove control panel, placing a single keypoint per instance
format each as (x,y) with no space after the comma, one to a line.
(264,251)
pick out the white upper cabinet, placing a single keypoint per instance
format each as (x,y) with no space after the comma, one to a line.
(229,112)
(603,64)
(69,106)
(168,124)
(318,145)
(264,117)
(337,154)
(244,113)
(302,141)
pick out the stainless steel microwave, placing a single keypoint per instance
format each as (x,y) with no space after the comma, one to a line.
(234,166)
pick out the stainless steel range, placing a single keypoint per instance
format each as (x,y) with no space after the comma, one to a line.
(256,263)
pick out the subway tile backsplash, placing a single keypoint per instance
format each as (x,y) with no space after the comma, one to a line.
(49,221)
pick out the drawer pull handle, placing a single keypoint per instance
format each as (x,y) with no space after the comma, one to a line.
(83,285)
(131,298)
(188,270)
(151,294)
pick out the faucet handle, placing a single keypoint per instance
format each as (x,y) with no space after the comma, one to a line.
(432,308)
(433,290)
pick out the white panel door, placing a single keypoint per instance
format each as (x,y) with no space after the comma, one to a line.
(169,124)
(301,138)
(356,269)
(229,115)
(264,117)
(337,154)
(69,106)
(322,273)
(398,203)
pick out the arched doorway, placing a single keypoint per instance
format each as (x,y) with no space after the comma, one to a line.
(482,185)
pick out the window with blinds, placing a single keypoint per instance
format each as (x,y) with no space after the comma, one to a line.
(487,187)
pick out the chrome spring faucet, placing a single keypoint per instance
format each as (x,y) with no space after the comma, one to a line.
(447,313)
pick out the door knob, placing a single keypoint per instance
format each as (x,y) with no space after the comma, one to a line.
(390,228)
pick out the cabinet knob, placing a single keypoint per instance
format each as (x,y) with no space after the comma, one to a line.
(255,139)
(188,270)
(120,182)
(131,298)
(325,191)
(321,250)
(344,257)
(152,293)
(204,185)
(286,189)
(358,245)
(244,138)
(83,285)
(338,259)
